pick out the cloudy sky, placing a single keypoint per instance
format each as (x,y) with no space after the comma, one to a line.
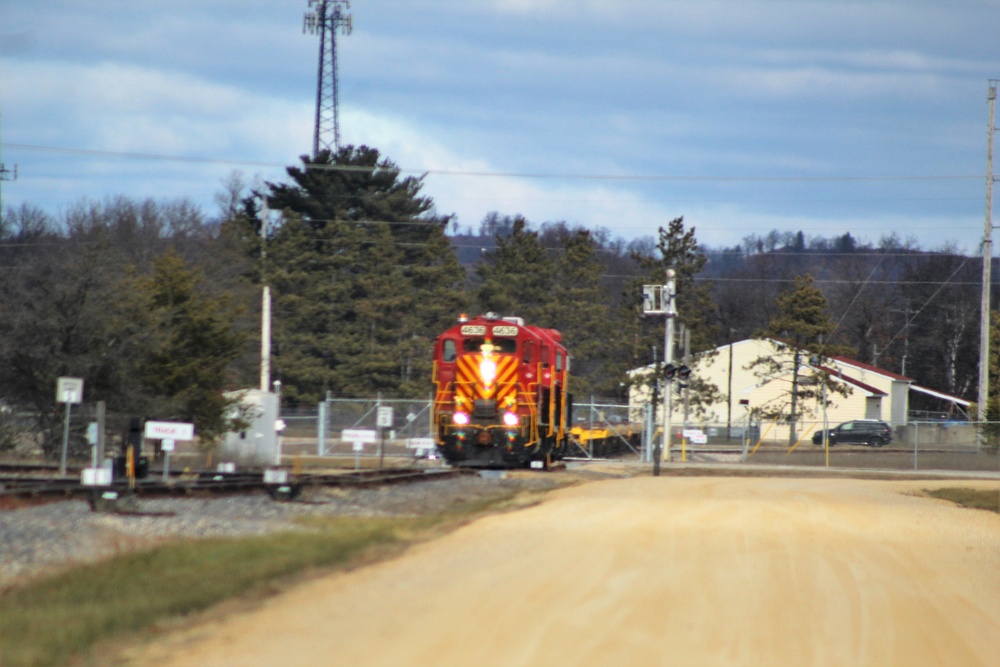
(744,116)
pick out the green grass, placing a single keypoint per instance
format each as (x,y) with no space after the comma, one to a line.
(981,499)
(52,620)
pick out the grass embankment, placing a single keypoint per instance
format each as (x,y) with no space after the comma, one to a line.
(980,499)
(53,619)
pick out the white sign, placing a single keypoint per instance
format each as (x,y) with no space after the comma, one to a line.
(169,430)
(69,390)
(358,435)
(167,445)
(420,443)
(359,446)
(95,477)
(384,417)
(695,436)
(275,476)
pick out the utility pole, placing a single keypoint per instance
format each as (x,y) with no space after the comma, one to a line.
(729,401)
(670,290)
(686,363)
(659,300)
(265,307)
(984,311)
(325,19)
(5,175)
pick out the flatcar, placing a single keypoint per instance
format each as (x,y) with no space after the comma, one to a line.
(501,394)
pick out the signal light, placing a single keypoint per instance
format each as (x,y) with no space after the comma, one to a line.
(682,372)
(510,419)
(460,418)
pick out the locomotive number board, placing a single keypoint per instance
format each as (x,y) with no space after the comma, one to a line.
(480,330)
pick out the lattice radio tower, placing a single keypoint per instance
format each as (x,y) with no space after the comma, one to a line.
(327,17)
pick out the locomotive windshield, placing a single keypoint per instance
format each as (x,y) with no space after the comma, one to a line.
(500,345)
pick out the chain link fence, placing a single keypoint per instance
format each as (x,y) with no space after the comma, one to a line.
(401,426)
(917,445)
(598,431)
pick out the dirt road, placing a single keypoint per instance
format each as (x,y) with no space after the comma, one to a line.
(654,571)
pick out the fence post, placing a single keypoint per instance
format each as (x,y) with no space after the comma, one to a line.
(321,430)
(649,432)
(590,443)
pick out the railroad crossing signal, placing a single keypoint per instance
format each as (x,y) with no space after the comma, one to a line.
(682,372)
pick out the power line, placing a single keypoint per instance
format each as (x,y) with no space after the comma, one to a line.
(500,174)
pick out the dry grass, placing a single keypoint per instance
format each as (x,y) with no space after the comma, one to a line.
(981,499)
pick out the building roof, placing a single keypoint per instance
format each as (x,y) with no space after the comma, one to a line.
(872,369)
(849,380)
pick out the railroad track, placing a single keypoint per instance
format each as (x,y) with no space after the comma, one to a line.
(40,487)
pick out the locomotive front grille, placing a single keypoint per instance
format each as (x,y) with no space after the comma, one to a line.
(484,408)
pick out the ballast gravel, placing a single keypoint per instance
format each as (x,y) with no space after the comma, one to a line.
(45,538)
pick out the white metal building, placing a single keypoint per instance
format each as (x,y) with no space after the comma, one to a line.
(873,393)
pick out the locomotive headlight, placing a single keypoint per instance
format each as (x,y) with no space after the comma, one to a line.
(488,371)
(460,418)
(510,419)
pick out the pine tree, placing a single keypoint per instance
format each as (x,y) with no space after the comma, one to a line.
(517,278)
(314,311)
(799,331)
(363,276)
(696,312)
(187,342)
(580,312)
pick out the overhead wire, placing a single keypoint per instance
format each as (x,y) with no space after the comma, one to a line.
(857,295)
(492,174)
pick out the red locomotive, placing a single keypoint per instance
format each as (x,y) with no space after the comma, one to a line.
(501,396)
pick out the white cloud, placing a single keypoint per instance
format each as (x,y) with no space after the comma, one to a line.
(115,107)
(651,87)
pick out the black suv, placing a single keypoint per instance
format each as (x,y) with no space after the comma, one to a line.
(870,432)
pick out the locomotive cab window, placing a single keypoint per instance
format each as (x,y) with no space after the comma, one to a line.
(558,362)
(500,345)
(448,350)
(528,349)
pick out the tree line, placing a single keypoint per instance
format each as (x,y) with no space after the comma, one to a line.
(157,304)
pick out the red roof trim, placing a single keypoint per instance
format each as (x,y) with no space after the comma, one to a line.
(881,371)
(833,372)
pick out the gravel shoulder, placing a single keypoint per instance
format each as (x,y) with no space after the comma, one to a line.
(46,538)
